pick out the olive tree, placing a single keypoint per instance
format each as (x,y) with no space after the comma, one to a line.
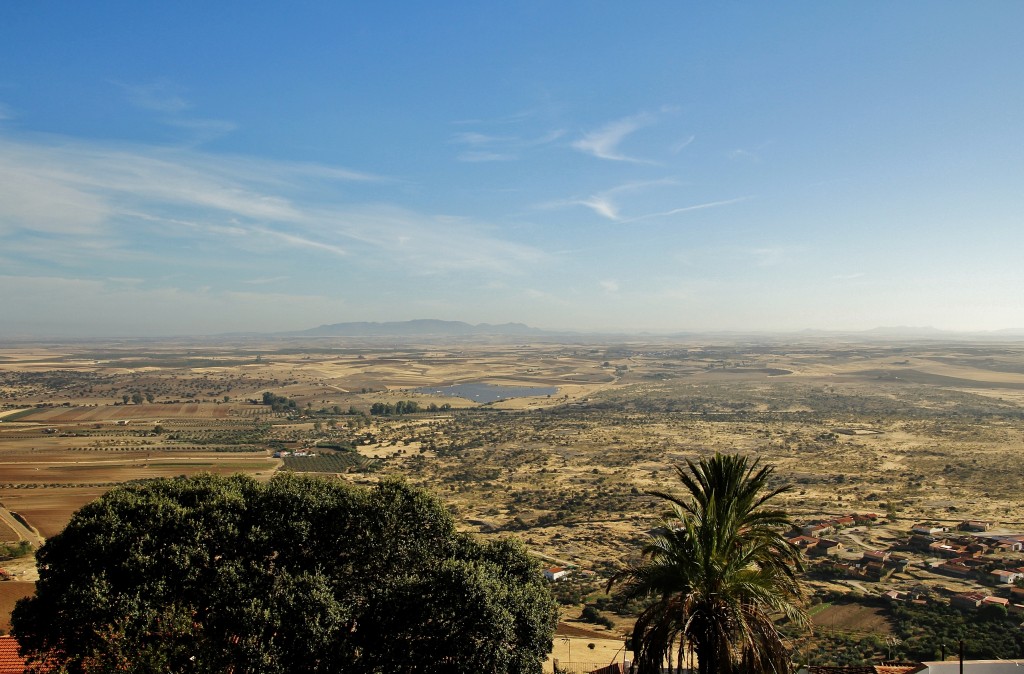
(210,574)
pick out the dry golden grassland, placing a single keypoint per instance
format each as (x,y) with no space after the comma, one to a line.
(916,430)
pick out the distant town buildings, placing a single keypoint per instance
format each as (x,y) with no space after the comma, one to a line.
(992,563)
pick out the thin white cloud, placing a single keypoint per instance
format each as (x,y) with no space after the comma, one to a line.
(605,203)
(770,256)
(78,188)
(682,145)
(744,154)
(102,194)
(548,137)
(46,204)
(609,286)
(514,118)
(476,138)
(687,209)
(304,242)
(602,206)
(485,156)
(202,130)
(546,297)
(751,155)
(485,147)
(848,277)
(159,96)
(413,239)
(265,281)
(5,112)
(604,142)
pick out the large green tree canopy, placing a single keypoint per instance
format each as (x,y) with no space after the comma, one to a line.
(212,574)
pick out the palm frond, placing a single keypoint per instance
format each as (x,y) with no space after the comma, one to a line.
(719,570)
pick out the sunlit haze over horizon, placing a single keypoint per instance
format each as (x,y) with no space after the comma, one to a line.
(199,168)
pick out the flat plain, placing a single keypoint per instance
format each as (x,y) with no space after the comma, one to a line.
(911,430)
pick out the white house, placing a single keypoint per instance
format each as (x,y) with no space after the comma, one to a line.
(1004,577)
(555,573)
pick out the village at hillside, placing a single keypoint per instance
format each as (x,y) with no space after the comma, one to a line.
(969,565)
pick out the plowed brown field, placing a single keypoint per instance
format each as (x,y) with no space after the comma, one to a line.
(10,592)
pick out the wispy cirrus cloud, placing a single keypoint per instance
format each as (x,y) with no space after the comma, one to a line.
(202,130)
(37,200)
(687,209)
(265,281)
(604,143)
(771,256)
(471,156)
(601,205)
(129,198)
(753,155)
(476,138)
(513,118)
(683,144)
(606,202)
(483,147)
(158,96)
(167,98)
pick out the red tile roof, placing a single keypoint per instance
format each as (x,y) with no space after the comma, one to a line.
(10,661)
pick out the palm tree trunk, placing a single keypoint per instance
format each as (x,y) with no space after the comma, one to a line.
(705,658)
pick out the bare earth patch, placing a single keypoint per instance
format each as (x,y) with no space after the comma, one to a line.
(852,618)
(10,592)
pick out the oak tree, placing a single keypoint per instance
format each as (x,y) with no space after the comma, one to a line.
(209,573)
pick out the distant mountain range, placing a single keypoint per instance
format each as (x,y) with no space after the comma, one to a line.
(422,328)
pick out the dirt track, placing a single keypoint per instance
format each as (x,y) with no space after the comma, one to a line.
(23,532)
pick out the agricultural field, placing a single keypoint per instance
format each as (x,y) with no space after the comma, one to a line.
(911,431)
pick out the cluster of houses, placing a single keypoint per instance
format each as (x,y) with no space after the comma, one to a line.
(967,553)
(981,558)
(972,600)
(820,528)
(813,539)
(280,454)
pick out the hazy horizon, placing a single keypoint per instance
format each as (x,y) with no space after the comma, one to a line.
(404,331)
(189,169)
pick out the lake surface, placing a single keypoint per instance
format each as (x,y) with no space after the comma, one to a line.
(488,393)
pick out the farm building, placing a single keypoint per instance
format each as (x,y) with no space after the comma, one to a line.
(966,600)
(555,573)
(1003,577)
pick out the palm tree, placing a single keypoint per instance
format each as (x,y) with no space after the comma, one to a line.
(719,572)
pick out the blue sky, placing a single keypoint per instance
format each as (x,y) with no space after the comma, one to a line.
(197,168)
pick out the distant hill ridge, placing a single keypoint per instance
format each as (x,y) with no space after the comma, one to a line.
(425,327)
